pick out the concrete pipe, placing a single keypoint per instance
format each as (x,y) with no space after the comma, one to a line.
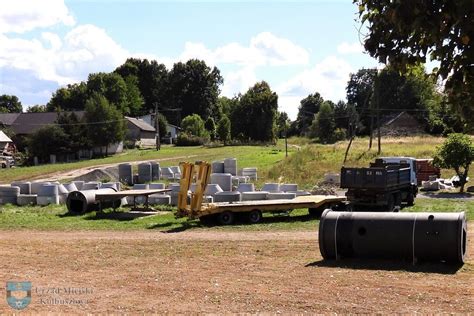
(410,236)
(93,185)
(80,202)
(26,199)
(70,187)
(78,184)
(144,172)
(35,186)
(125,173)
(110,185)
(25,187)
(8,191)
(217,167)
(254,196)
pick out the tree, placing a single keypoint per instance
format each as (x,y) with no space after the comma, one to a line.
(359,94)
(75,131)
(105,122)
(404,33)
(152,81)
(46,141)
(10,104)
(309,106)
(223,129)
(210,126)
(112,87)
(134,97)
(457,153)
(283,123)
(323,125)
(254,117)
(162,123)
(36,109)
(194,125)
(193,88)
(71,98)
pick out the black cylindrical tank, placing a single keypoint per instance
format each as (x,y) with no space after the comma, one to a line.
(409,236)
(80,202)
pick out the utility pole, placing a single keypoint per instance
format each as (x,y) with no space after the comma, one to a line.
(286,139)
(157,128)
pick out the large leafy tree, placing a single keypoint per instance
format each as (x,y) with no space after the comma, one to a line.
(112,87)
(403,33)
(254,117)
(309,106)
(105,122)
(70,98)
(193,88)
(152,78)
(223,129)
(324,123)
(359,90)
(194,125)
(75,131)
(10,104)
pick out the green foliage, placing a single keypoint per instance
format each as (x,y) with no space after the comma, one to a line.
(223,129)
(134,97)
(152,81)
(194,125)
(10,104)
(283,124)
(254,117)
(210,126)
(226,105)
(456,153)
(360,90)
(185,139)
(162,122)
(193,88)
(308,108)
(48,140)
(106,123)
(71,98)
(112,87)
(404,33)
(75,131)
(36,109)
(324,124)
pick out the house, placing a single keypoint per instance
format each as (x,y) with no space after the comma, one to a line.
(6,144)
(402,124)
(140,133)
(172,131)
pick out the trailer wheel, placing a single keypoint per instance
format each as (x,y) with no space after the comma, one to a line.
(225,218)
(254,216)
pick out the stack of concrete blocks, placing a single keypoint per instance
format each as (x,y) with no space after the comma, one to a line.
(155,171)
(9,194)
(175,187)
(111,185)
(25,197)
(224,180)
(230,166)
(125,173)
(92,185)
(48,194)
(217,167)
(254,195)
(159,198)
(144,172)
(246,187)
(206,198)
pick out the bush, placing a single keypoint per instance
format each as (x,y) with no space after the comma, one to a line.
(194,125)
(185,139)
(340,134)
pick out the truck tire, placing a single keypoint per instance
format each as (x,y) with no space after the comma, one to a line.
(410,199)
(390,203)
(254,216)
(225,218)
(397,197)
(316,212)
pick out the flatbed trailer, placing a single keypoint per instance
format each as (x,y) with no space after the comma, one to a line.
(225,212)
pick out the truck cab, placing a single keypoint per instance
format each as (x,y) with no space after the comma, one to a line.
(404,160)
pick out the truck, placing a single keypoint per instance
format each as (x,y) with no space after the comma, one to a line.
(384,185)
(225,213)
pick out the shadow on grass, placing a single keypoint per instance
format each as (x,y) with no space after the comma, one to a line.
(179,227)
(388,265)
(446,195)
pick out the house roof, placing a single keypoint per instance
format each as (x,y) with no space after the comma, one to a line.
(8,118)
(4,138)
(141,124)
(28,123)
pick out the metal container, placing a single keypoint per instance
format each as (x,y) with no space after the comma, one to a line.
(402,236)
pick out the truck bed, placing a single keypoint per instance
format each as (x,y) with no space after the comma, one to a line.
(310,201)
(375,178)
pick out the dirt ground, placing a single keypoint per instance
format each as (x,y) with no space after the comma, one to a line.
(215,271)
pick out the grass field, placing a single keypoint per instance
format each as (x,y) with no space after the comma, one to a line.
(56,218)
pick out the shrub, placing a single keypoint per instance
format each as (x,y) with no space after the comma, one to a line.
(185,139)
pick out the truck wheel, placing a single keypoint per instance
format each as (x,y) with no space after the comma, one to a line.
(316,212)
(254,216)
(225,218)
(390,204)
(410,199)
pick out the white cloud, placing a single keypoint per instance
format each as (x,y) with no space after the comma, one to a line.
(350,48)
(238,81)
(329,78)
(25,15)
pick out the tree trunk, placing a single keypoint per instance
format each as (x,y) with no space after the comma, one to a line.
(371,129)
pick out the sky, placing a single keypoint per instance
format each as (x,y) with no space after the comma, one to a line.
(298,47)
